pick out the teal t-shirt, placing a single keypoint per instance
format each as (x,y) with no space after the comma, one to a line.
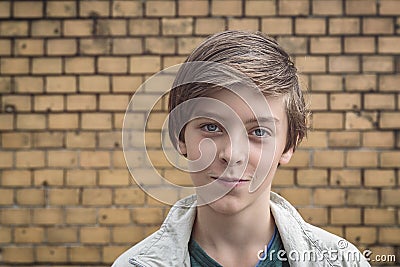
(199,258)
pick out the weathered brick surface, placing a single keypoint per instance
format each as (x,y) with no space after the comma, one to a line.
(69,68)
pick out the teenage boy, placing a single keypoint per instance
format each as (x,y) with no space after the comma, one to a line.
(243,135)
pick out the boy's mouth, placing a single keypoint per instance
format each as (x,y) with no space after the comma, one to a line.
(230,181)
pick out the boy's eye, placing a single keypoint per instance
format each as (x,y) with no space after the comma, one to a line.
(260,132)
(211,128)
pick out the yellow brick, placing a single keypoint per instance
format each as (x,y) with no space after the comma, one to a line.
(114,216)
(94,8)
(362,197)
(272,26)
(48,139)
(126,46)
(327,7)
(226,8)
(94,235)
(244,24)
(94,159)
(177,26)
(129,196)
(345,101)
(79,65)
(139,27)
(362,159)
(363,120)
(28,85)
(49,103)
(16,103)
(62,235)
(390,197)
(187,44)
(389,7)
(30,197)
(379,178)
(80,215)
(164,8)
(379,101)
(344,139)
(28,9)
(46,66)
(62,197)
(46,28)
(379,216)
(389,120)
(48,177)
(16,140)
(94,83)
(127,234)
(310,64)
(6,159)
(62,9)
(378,64)
(260,8)
(360,82)
(325,45)
(96,121)
(389,235)
(48,216)
(126,84)
(81,102)
(359,45)
(14,65)
(378,26)
(15,216)
(30,159)
(329,197)
(5,9)
(144,64)
(193,8)
(389,83)
(127,9)
(388,45)
(160,45)
(81,178)
(344,26)
(85,254)
(326,83)
(346,64)
(345,216)
(63,121)
(354,7)
(26,47)
(15,178)
(315,216)
(6,122)
(13,28)
(80,140)
(312,177)
(18,254)
(5,235)
(329,159)
(29,235)
(390,159)
(113,177)
(6,198)
(5,48)
(296,196)
(310,26)
(346,178)
(82,27)
(209,25)
(96,197)
(327,120)
(112,65)
(293,7)
(114,102)
(363,235)
(147,215)
(299,159)
(314,139)
(110,253)
(51,254)
(61,47)
(94,46)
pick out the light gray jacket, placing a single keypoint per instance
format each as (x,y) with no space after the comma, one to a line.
(169,245)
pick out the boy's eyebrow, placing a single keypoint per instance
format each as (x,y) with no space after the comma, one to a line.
(261,120)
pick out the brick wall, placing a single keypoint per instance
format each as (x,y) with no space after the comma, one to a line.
(69,68)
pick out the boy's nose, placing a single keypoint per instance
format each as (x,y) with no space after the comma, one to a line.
(233,153)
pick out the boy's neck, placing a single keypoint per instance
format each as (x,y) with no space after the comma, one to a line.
(238,234)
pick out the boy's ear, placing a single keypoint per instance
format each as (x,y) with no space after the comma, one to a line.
(182,147)
(285,157)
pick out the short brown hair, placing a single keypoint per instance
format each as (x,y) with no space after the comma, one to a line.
(261,59)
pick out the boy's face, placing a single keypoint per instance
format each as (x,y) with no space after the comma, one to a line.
(240,153)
